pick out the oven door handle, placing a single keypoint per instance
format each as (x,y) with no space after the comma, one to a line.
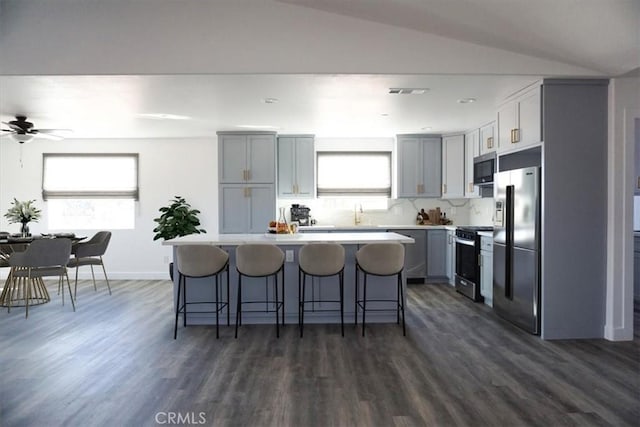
(465,242)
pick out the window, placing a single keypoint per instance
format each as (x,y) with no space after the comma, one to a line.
(90,191)
(365,174)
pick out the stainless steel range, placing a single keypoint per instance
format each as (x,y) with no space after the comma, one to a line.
(467,261)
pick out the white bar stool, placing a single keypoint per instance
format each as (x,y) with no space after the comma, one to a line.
(380,259)
(320,260)
(198,261)
(260,260)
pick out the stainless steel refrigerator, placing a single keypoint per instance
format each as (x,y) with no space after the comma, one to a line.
(516,248)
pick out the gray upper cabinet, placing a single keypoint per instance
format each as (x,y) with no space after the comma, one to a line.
(487,138)
(246,158)
(419,166)
(246,165)
(520,120)
(471,150)
(296,170)
(453,167)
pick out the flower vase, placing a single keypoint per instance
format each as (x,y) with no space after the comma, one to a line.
(24,230)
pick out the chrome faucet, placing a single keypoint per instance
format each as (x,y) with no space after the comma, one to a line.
(357,212)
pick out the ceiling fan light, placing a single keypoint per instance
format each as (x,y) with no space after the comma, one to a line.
(22,137)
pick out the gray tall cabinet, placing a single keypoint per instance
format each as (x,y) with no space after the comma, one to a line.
(246,176)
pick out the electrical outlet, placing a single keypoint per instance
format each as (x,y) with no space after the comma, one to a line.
(289,255)
(166,260)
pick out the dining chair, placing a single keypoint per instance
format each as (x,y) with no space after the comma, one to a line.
(42,258)
(90,253)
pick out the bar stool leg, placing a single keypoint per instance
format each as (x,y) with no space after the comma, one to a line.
(275,277)
(355,312)
(217,311)
(341,282)
(404,331)
(175,327)
(239,303)
(282,293)
(302,304)
(228,298)
(364,301)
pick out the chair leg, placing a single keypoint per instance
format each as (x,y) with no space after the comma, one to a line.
(73,304)
(175,326)
(184,301)
(105,275)
(364,301)
(239,303)
(93,277)
(28,295)
(75,287)
(283,324)
(300,297)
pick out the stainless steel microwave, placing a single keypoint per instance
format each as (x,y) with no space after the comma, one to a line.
(483,169)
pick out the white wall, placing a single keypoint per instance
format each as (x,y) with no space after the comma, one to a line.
(624,108)
(168,167)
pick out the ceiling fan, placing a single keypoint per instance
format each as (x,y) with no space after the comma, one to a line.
(22,131)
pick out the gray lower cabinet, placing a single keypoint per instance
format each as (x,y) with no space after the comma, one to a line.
(486,269)
(296,169)
(636,268)
(419,166)
(415,264)
(246,208)
(451,256)
(437,255)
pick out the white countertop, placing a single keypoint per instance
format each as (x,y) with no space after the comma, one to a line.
(375,227)
(289,239)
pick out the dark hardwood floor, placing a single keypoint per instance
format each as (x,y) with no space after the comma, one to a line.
(114,363)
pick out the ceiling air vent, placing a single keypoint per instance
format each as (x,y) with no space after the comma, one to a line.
(408,90)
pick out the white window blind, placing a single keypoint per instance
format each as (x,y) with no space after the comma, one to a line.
(354,173)
(90,176)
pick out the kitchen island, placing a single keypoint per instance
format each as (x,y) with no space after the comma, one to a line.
(321,288)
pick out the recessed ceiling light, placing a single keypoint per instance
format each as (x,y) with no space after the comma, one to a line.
(163,116)
(466,100)
(257,126)
(270,100)
(426,128)
(408,90)
(384,114)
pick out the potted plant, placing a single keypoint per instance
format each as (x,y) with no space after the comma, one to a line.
(177,219)
(23,212)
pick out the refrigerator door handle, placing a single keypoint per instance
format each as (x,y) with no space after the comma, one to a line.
(508,288)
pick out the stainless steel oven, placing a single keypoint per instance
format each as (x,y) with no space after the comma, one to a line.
(467,265)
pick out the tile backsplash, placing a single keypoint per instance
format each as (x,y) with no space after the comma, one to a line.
(342,211)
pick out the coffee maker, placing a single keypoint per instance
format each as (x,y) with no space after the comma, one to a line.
(300,214)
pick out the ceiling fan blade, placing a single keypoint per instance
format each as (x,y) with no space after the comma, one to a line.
(7,130)
(51,130)
(50,136)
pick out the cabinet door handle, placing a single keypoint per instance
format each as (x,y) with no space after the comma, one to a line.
(444,188)
(244,174)
(248,191)
(490,142)
(515,135)
(248,174)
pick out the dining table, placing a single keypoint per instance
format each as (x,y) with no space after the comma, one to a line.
(15,294)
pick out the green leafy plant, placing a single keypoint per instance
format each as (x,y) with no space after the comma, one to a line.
(23,212)
(177,219)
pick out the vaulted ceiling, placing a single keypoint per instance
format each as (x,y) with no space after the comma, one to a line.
(100,67)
